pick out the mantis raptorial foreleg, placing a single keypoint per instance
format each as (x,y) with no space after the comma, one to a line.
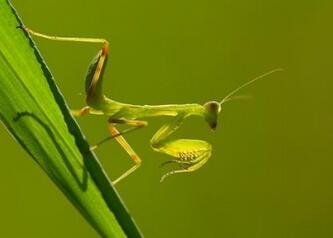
(201,160)
(190,154)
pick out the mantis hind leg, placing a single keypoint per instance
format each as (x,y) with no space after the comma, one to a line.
(93,85)
(81,112)
(189,154)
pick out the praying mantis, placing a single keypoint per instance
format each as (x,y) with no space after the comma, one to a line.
(188,154)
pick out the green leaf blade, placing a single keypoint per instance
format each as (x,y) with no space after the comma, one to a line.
(35,113)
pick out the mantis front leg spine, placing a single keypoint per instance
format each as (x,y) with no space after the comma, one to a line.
(190,154)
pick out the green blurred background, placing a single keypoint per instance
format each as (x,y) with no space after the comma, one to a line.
(271,170)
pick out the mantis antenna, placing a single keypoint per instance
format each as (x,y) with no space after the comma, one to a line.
(228,97)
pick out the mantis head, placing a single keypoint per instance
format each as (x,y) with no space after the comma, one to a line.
(213,108)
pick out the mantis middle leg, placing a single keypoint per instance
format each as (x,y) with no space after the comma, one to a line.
(121,140)
(118,136)
(135,124)
(190,154)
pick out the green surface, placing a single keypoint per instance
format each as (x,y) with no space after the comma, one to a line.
(270,174)
(34,111)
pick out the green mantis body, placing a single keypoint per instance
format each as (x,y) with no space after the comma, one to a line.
(189,154)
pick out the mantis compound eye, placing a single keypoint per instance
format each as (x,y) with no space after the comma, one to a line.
(212,109)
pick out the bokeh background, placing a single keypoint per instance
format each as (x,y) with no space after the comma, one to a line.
(271,170)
